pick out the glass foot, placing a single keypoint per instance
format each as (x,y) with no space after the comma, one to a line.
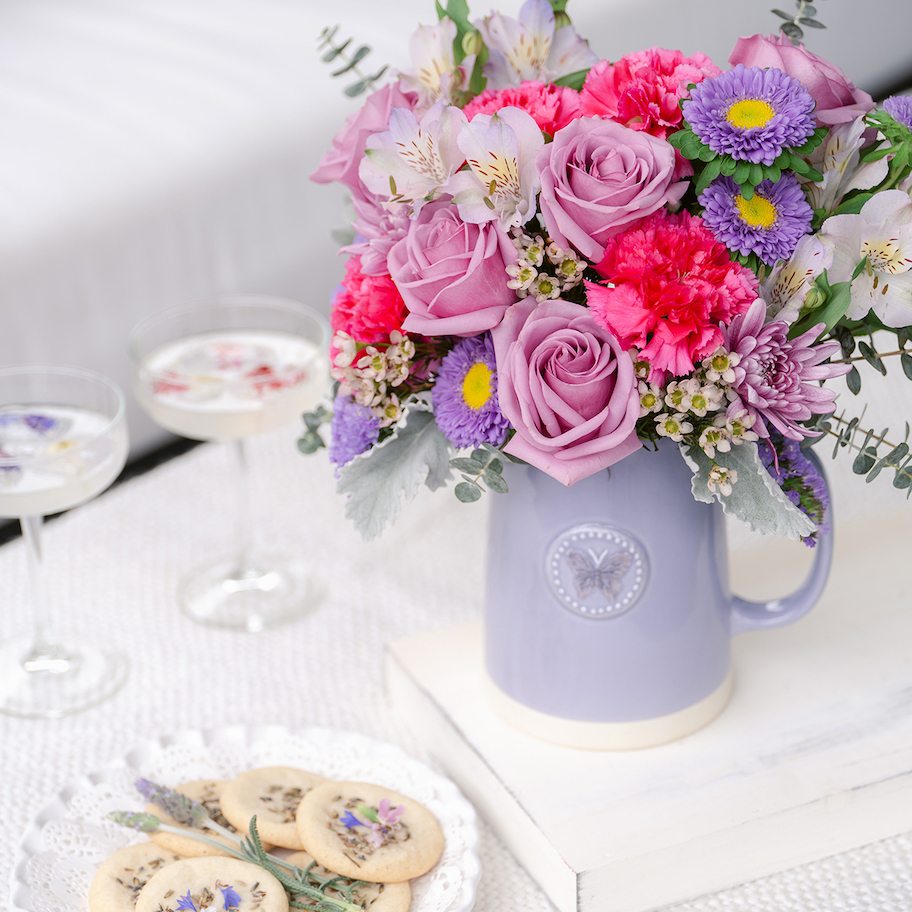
(54,681)
(267,593)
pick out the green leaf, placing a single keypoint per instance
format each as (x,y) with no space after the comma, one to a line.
(792,31)
(573,80)
(813,23)
(378,479)
(741,172)
(859,268)
(853,381)
(905,359)
(840,297)
(903,477)
(756,173)
(496,482)
(893,458)
(747,191)
(846,340)
(357,57)
(468,492)
(331,55)
(755,498)
(471,466)
(787,16)
(496,466)
(853,206)
(310,442)
(872,357)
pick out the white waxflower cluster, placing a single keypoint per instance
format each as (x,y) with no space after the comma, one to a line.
(543,271)
(678,406)
(370,373)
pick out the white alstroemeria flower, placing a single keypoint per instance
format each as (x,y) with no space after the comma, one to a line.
(838,159)
(435,76)
(531,47)
(786,288)
(500,150)
(881,232)
(413,161)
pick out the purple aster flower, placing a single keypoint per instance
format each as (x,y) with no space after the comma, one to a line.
(777,378)
(354,430)
(899,107)
(465,395)
(770,224)
(750,113)
(799,479)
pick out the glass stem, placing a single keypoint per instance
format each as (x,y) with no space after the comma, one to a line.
(44,655)
(244,533)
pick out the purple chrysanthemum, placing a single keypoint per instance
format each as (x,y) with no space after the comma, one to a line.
(465,395)
(770,224)
(750,113)
(776,377)
(899,107)
(354,429)
(799,479)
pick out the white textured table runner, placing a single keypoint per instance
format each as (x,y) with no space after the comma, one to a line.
(115,563)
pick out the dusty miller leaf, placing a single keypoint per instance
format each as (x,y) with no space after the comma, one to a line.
(755,499)
(377,480)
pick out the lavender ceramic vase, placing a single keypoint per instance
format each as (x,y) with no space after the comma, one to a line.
(608,609)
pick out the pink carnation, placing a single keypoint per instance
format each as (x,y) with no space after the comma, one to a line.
(643,90)
(551,107)
(367,307)
(674,285)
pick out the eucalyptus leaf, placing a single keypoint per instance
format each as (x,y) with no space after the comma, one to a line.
(755,499)
(495,465)
(865,460)
(463,464)
(812,23)
(376,481)
(468,492)
(872,357)
(905,360)
(356,58)
(853,381)
(495,482)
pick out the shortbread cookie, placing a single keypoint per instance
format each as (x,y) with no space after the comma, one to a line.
(273,794)
(368,832)
(212,885)
(207,793)
(121,876)
(376,897)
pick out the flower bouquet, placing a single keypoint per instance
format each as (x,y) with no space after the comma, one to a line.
(561,260)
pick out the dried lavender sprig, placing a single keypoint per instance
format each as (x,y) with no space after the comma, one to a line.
(180,807)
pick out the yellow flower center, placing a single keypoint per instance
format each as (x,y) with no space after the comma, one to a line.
(757,211)
(750,112)
(476,385)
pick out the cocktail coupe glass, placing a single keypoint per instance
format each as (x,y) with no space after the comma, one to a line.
(225,371)
(63,440)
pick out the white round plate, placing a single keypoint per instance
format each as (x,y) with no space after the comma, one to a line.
(62,847)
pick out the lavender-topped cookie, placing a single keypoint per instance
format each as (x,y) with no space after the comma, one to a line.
(368,832)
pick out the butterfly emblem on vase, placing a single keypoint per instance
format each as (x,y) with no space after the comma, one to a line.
(602,572)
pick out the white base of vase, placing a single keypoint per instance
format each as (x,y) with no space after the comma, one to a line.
(609,735)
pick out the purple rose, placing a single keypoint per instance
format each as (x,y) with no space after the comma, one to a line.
(341,162)
(838,101)
(598,178)
(568,388)
(452,274)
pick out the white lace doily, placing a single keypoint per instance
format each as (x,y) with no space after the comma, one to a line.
(60,851)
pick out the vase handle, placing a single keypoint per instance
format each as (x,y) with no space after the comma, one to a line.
(747,615)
